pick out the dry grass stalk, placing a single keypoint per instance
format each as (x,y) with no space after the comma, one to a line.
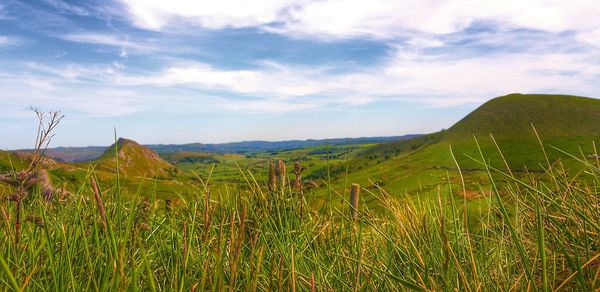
(185,246)
(272,177)
(5,215)
(280,173)
(207,215)
(236,245)
(298,168)
(354,195)
(99,202)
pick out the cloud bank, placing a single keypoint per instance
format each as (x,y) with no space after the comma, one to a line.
(127,59)
(382,19)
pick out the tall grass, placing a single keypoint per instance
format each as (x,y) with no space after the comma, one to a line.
(541,233)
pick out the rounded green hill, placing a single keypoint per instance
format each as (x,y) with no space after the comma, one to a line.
(512,115)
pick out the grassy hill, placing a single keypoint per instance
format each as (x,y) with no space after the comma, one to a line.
(568,123)
(420,165)
(511,116)
(134,160)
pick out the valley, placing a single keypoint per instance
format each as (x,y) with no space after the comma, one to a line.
(516,134)
(512,179)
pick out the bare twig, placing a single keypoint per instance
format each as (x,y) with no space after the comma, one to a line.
(25,179)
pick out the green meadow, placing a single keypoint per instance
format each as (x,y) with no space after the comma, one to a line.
(506,199)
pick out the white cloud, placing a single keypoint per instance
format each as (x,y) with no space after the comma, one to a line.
(262,106)
(7,41)
(124,44)
(424,42)
(73,72)
(104,39)
(4,40)
(69,8)
(435,81)
(155,14)
(590,36)
(378,19)
(272,80)
(432,80)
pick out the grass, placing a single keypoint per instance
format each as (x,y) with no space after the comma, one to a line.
(533,224)
(511,115)
(419,165)
(533,234)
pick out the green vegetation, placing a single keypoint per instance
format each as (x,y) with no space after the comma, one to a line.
(419,165)
(536,235)
(134,161)
(9,161)
(512,115)
(455,210)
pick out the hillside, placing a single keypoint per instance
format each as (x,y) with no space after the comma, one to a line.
(568,123)
(560,119)
(511,116)
(10,160)
(19,160)
(135,160)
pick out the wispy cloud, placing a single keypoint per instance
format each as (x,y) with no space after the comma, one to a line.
(466,80)
(68,8)
(8,41)
(106,40)
(274,87)
(131,58)
(211,14)
(382,19)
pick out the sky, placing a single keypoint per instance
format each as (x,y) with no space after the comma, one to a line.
(232,70)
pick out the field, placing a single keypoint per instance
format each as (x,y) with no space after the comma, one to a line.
(515,210)
(535,235)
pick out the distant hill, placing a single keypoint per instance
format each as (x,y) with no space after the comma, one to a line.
(134,160)
(82,154)
(76,154)
(254,146)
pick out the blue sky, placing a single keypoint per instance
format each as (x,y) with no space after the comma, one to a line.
(196,71)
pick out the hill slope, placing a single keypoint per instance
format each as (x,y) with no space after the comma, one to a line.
(10,161)
(512,115)
(568,123)
(135,160)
